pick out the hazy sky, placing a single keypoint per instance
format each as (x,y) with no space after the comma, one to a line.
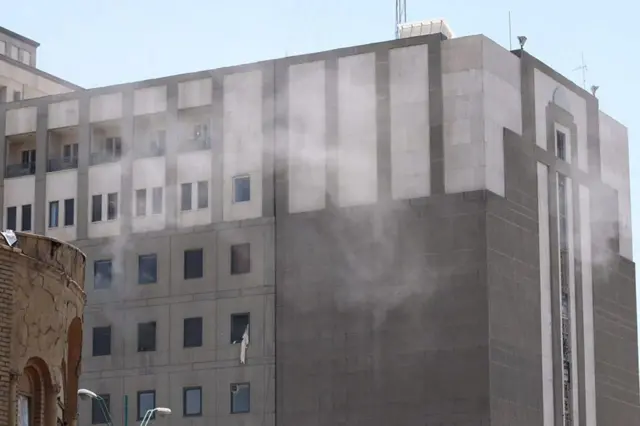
(103,42)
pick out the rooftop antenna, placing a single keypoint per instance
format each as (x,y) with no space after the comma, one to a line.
(583,68)
(522,40)
(510,31)
(401,15)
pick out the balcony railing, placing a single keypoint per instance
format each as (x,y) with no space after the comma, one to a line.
(57,164)
(152,151)
(104,157)
(22,169)
(197,144)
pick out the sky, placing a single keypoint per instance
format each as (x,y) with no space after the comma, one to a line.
(97,43)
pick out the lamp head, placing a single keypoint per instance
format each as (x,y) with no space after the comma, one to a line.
(522,40)
(163,411)
(87,394)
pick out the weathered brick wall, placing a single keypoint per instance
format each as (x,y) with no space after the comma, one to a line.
(6,319)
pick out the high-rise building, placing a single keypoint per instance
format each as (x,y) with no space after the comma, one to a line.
(429,230)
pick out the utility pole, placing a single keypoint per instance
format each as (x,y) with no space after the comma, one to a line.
(583,68)
(401,15)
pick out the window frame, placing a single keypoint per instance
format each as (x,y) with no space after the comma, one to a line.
(95,409)
(141,202)
(94,344)
(235,188)
(69,206)
(95,273)
(231,396)
(96,208)
(138,395)
(139,342)
(28,216)
(144,257)
(57,214)
(199,341)
(236,264)
(186,276)
(232,329)
(186,197)
(185,391)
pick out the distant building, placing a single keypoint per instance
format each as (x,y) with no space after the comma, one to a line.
(41,308)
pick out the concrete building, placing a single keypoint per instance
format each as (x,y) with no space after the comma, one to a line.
(41,307)
(425,231)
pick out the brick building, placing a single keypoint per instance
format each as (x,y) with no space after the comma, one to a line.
(41,307)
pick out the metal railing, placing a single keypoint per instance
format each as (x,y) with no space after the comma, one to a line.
(21,169)
(197,144)
(104,157)
(57,164)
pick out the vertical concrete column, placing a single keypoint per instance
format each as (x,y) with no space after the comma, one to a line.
(126,162)
(331,99)
(3,161)
(383,125)
(436,107)
(217,148)
(593,137)
(281,139)
(268,137)
(84,153)
(171,157)
(40,200)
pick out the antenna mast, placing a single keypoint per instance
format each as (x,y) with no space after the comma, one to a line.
(583,68)
(401,15)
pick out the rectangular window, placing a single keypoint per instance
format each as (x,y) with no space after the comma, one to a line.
(141,202)
(192,401)
(70,153)
(240,398)
(102,341)
(3,48)
(24,411)
(147,337)
(96,208)
(156,201)
(113,146)
(28,156)
(69,211)
(239,325)
(193,264)
(17,95)
(147,269)
(561,149)
(241,189)
(26,217)
(26,57)
(14,52)
(102,274)
(192,332)
(146,402)
(12,218)
(53,214)
(185,197)
(240,259)
(203,194)
(98,416)
(112,206)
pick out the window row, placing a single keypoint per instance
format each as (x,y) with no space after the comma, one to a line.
(68,215)
(192,334)
(239,396)
(15,53)
(193,266)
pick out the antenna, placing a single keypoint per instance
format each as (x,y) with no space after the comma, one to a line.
(401,15)
(510,31)
(583,68)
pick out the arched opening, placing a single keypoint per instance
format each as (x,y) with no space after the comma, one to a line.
(34,394)
(74,356)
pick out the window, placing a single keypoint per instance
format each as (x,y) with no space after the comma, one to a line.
(102,274)
(203,194)
(26,217)
(3,48)
(69,212)
(192,401)
(26,57)
(561,140)
(200,131)
(70,152)
(24,415)
(98,416)
(17,95)
(102,341)
(239,324)
(141,202)
(14,52)
(12,218)
(193,264)
(28,156)
(96,208)
(147,269)
(112,206)
(113,146)
(147,337)
(240,259)
(240,398)
(53,214)
(146,402)
(241,189)
(185,197)
(192,332)
(156,201)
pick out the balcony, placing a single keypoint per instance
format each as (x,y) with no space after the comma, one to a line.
(21,169)
(57,164)
(196,144)
(106,143)
(102,157)
(21,155)
(62,149)
(194,128)
(150,135)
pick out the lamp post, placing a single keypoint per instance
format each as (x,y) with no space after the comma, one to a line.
(147,416)
(87,394)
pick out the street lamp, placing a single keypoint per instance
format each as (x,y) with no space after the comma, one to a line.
(147,416)
(87,394)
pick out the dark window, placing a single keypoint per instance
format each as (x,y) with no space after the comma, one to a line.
(239,325)
(70,152)
(561,141)
(141,202)
(241,259)
(203,194)
(241,189)
(29,157)
(193,267)
(26,217)
(112,206)
(192,401)
(192,332)
(102,341)
(102,274)
(54,211)
(96,208)
(12,213)
(17,95)
(240,398)
(156,201)
(147,337)
(146,402)
(69,212)
(113,146)
(98,416)
(147,269)
(185,197)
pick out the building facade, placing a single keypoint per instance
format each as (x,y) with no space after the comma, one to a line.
(424,231)
(42,303)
